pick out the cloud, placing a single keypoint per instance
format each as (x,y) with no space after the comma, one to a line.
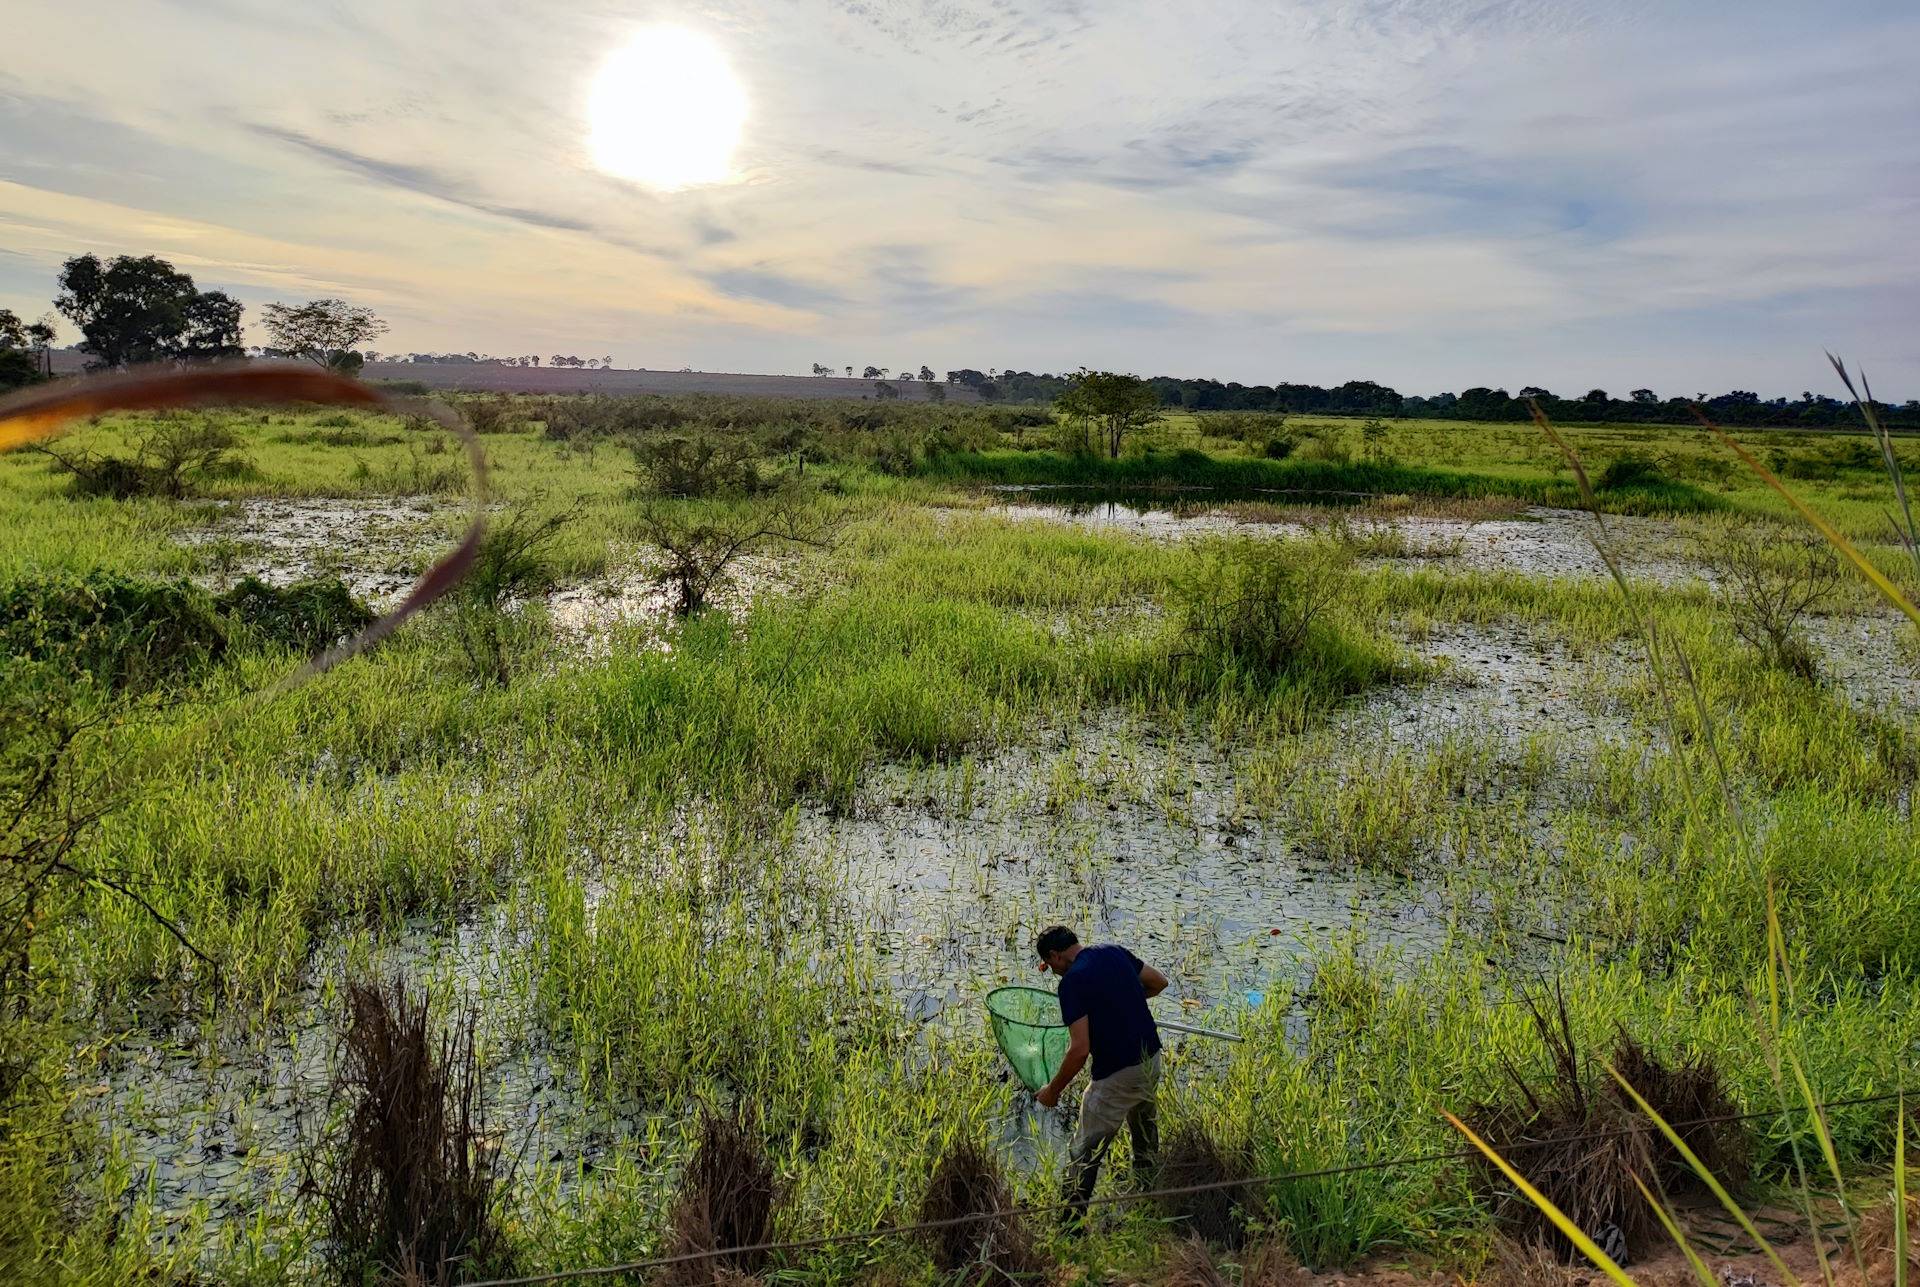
(424,180)
(1409,190)
(774,288)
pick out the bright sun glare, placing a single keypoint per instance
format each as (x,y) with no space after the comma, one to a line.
(666,110)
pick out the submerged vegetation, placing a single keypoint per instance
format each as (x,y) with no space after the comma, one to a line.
(721,878)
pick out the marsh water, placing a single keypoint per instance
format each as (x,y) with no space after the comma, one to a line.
(1130,830)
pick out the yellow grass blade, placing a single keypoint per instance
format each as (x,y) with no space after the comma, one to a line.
(1700,1270)
(1826,529)
(1588,1247)
(1711,1180)
(1825,1137)
(1900,1197)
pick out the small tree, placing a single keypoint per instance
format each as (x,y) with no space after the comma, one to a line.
(926,374)
(700,545)
(871,373)
(1770,582)
(1117,403)
(327,332)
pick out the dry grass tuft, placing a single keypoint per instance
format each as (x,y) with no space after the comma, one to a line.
(1272,1265)
(1520,1264)
(1583,1143)
(1190,1264)
(1875,1245)
(967,1181)
(412,1195)
(727,1198)
(1191,1156)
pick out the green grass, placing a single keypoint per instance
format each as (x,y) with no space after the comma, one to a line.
(628,819)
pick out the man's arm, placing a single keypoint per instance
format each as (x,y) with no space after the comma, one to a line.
(1153,981)
(1077,1047)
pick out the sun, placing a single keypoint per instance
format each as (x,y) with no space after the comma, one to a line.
(666,110)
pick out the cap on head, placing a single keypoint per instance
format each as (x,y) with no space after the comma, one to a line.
(1055,938)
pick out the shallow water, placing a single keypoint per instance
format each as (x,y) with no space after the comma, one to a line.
(1541,542)
(378,547)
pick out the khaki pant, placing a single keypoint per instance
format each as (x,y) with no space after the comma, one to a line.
(1124,1099)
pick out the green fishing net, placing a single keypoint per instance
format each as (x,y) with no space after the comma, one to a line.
(1026,1023)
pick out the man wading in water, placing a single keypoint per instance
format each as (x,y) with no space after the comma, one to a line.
(1103,1001)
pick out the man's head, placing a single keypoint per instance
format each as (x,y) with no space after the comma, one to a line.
(1057,946)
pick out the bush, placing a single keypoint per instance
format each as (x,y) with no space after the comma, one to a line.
(1631,470)
(1770,580)
(698,467)
(493,415)
(170,461)
(122,633)
(1252,603)
(306,617)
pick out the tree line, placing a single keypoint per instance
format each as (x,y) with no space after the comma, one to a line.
(1367,398)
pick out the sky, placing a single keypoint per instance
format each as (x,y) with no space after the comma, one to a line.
(1690,196)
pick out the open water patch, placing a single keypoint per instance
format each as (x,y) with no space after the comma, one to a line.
(1537,541)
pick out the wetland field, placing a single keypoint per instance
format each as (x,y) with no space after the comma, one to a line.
(765,735)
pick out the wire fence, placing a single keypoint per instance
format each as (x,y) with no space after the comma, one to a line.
(1405,1161)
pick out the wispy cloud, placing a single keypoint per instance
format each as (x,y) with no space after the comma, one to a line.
(422,179)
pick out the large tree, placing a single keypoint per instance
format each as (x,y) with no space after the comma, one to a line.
(1117,403)
(145,310)
(327,332)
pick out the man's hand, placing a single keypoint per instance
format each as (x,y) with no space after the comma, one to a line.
(1076,1057)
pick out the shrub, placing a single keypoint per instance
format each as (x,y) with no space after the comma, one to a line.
(1328,446)
(169,461)
(514,561)
(307,617)
(1253,602)
(1631,470)
(123,633)
(1769,581)
(699,548)
(702,466)
(493,415)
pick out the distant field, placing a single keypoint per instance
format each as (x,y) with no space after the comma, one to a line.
(488,378)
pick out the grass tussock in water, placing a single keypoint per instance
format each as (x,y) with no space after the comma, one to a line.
(728,1197)
(412,1189)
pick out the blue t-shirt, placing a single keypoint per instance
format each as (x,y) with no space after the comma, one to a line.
(1103,987)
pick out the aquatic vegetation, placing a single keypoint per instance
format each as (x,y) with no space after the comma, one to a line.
(748,873)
